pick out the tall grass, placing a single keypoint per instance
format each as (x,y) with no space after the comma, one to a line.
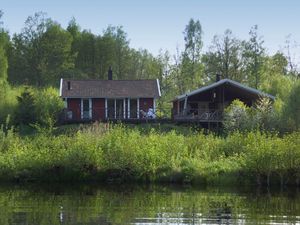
(117,154)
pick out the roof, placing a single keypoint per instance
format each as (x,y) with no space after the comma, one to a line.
(110,88)
(222,82)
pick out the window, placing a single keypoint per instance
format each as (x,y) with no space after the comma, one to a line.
(110,108)
(133,109)
(119,108)
(86,109)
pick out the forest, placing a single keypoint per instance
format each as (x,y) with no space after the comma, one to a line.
(33,61)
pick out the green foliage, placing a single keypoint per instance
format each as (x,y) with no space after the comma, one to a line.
(253,52)
(8,102)
(48,111)
(278,85)
(40,53)
(262,115)
(25,113)
(224,57)
(4,42)
(237,117)
(191,64)
(292,110)
(117,154)
(43,52)
(34,106)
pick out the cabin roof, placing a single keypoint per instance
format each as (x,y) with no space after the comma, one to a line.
(72,88)
(225,82)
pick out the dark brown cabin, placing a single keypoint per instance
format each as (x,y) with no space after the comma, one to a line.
(87,100)
(207,103)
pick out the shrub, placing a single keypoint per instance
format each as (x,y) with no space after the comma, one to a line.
(48,105)
(115,153)
(237,117)
(25,113)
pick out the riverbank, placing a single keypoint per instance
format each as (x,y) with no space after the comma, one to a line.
(118,154)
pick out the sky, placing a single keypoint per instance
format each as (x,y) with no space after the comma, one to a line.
(159,24)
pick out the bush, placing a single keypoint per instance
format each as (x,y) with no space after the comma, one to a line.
(8,102)
(237,117)
(292,109)
(48,105)
(38,106)
(25,113)
(118,154)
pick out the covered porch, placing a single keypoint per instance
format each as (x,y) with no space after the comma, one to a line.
(207,104)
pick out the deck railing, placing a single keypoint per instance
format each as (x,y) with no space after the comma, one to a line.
(200,115)
(101,113)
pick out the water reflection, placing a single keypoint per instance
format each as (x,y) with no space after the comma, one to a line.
(93,204)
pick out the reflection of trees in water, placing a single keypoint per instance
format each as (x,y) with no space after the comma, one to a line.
(155,204)
(223,214)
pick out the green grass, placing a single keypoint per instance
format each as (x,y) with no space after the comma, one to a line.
(114,153)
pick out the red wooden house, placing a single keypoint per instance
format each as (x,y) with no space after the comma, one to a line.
(109,99)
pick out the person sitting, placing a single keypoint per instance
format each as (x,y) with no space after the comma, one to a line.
(143,113)
(148,115)
(151,113)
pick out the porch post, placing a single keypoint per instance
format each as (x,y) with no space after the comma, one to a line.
(66,103)
(223,99)
(124,109)
(128,105)
(154,106)
(115,109)
(138,108)
(90,108)
(81,108)
(105,108)
(185,106)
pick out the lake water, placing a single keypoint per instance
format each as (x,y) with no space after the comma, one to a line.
(93,204)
